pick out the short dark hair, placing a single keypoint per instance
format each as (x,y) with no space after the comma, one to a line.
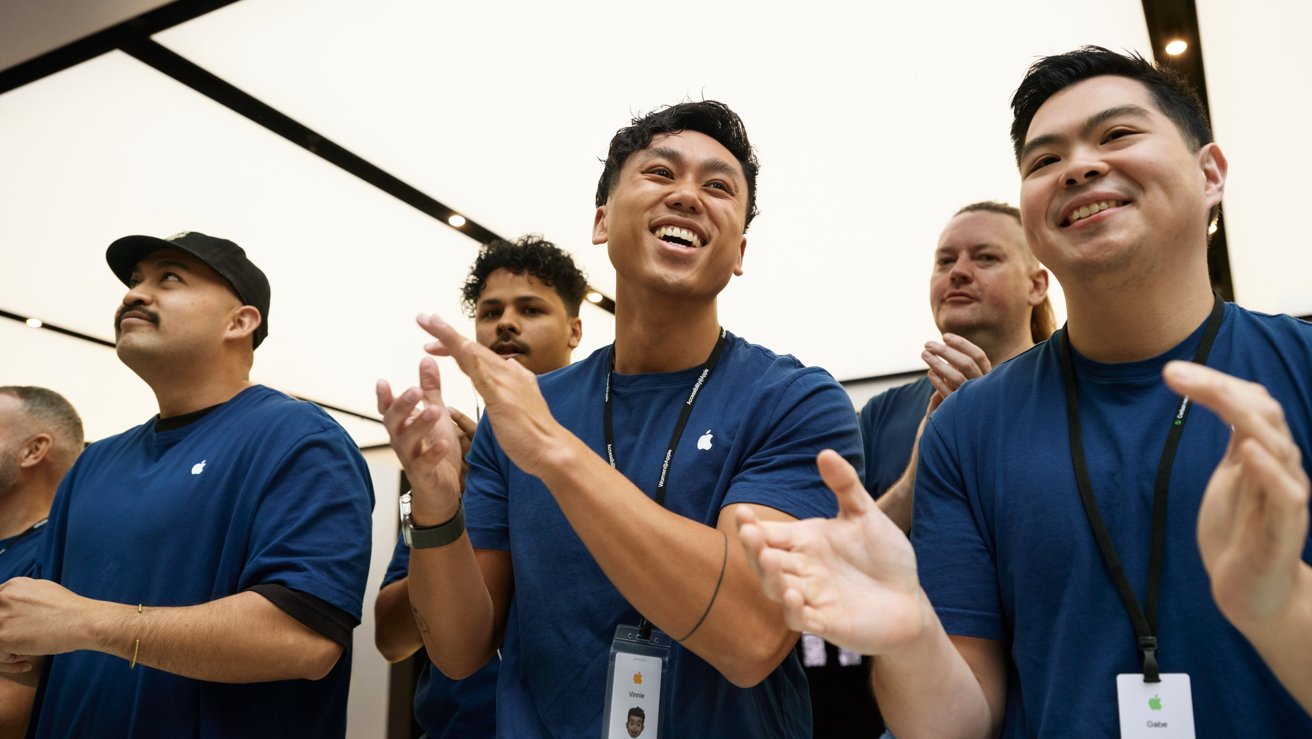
(533,254)
(54,414)
(637,711)
(1169,89)
(1042,320)
(711,117)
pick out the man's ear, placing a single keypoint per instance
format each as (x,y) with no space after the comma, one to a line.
(35,449)
(742,250)
(600,231)
(1215,168)
(244,321)
(1038,286)
(575,332)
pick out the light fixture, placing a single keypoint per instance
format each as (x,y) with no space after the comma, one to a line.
(456,220)
(1213,227)
(594,297)
(34,323)
(1176,47)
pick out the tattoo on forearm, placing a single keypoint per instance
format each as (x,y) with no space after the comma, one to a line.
(419,620)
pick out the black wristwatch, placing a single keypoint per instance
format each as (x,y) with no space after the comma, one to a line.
(432,536)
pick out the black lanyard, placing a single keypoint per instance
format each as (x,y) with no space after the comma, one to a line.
(31,529)
(1144,624)
(711,361)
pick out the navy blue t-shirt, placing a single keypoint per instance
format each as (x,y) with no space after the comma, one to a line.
(446,708)
(888,430)
(18,553)
(263,489)
(753,436)
(1006,552)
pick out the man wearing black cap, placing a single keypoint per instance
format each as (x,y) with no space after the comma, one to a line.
(204,570)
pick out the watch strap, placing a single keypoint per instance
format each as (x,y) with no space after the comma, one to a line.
(441,534)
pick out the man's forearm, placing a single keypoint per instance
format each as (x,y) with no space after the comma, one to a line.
(243,638)
(15,706)
(453,605)
(689,579)
(395,632)
(939,686)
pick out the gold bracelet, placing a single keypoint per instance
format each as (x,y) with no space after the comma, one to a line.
(136,648)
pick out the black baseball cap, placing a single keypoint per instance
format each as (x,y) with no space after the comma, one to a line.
(222,256)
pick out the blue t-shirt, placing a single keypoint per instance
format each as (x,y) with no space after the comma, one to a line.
(18,553)
(888,429)
(263,489)
(446,708)
(753,436)
(1006,552)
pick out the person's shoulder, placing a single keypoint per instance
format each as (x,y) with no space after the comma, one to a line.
(918,390)
(265,410)
(574,373)
(756,362)
(1275,324)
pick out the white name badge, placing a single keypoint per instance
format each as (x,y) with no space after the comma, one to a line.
(1163,710)
(634,685)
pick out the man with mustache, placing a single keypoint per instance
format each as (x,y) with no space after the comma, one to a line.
(600,497)
(40,437)
(989,297)
(524,298)
(1057,587)
(203,571)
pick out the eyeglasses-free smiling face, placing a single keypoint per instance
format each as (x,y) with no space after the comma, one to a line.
(674,221)
(1109,185)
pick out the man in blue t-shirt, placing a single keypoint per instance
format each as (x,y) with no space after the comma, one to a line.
(1057,587)
(524,298)
(601,497)
(989,298)
(201,573)
(40,437)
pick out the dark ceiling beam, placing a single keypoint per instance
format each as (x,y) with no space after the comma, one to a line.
(43,326)
(1178,19)
(133,37)
(90,47)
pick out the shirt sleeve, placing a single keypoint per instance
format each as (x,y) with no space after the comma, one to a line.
(486,484)
(314,527)
(808,413)
(399,567)
(953,550)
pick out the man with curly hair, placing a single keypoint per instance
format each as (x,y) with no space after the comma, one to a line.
(524,297)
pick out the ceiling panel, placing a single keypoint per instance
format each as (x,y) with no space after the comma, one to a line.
(874,123)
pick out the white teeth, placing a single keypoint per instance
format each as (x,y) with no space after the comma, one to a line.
(1090,209)
(681,234)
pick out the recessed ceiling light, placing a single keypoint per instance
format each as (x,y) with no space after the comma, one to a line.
(1177,47)
(594,297)
(1212,228)
(456,220)
(34,323)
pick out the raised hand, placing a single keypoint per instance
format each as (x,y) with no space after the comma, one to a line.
(1253,523)
(524,425)
(951,362)
(427,441)
(851,579)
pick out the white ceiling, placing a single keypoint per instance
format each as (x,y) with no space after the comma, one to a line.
(873,121)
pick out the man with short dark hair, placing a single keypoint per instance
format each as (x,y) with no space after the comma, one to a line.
(203,571)
(600,497)
(1057,587)
(524,297)
(40,437)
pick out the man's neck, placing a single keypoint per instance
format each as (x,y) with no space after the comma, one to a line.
(1138,323)
(23,505)
(180,393)
(1001,348)
(675,337)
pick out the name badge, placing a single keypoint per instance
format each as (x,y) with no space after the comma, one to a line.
(1163,710)
(635,685)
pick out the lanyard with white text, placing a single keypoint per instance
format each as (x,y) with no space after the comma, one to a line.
(709,365)
(1144,624)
